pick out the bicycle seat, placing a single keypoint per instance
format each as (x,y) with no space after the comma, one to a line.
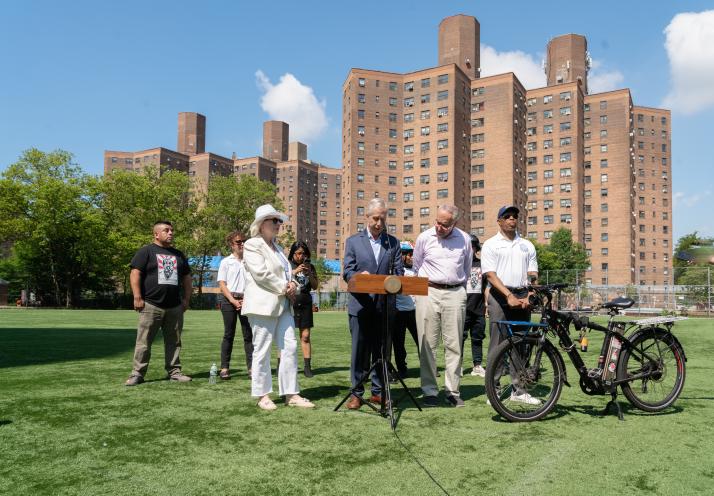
(620,303)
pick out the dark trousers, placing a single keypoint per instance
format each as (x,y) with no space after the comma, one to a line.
(498,309)
(475,325)
(366,330)
(405,320)
(230,320)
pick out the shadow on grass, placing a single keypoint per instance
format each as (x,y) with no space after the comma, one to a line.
(599,411)
(37,346)
(5,422)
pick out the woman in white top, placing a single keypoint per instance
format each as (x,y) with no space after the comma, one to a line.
(268,291)
(231,280)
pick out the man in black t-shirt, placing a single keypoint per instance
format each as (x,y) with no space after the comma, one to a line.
(161,283)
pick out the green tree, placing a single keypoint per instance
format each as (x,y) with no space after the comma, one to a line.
(130,205)
(49,212)
(692,271)
(228,204)
(322,271)
(564,259)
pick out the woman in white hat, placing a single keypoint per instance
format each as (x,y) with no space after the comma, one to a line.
(266,303)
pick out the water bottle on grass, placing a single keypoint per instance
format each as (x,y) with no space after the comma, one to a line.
(213,374)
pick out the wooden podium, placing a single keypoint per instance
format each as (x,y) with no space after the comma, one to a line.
(389,286)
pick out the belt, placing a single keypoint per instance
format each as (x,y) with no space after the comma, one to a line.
(238,296)
(444,286)
(518,289)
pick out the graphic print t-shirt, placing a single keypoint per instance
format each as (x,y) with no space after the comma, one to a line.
(475,283)
(161,270)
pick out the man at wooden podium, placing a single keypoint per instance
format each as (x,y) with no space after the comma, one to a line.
(370,251)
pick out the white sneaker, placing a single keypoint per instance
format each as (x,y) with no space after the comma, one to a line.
(478,371)
(525,398)
(488,402)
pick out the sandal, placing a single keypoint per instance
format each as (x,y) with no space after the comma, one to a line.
(225,375)
(267,404)
(300,402)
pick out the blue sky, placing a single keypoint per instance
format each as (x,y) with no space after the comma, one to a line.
(88,76)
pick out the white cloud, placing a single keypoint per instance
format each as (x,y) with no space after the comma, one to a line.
(690,48)
(295,103)
(526,67)
(600,80)
(689,200)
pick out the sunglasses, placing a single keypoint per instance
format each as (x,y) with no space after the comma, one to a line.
(509,216)
(239,242)
(276,221)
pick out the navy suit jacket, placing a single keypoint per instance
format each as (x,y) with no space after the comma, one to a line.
(359,257)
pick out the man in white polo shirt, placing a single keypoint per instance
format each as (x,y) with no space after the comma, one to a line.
(443,255)
(508,262)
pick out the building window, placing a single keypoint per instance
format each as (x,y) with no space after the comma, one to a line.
(442,95)
(443,78)
(603,119)
(477,107)
(548,128)
(565,95)
(442,144)
(565,141)
(565,157)
(361,98)
(442,160)
(547,98)
(477,200)
(442,177)
(565,111)
(408,164)
(442,127)
(547,174)
(442,111)
(424,179)
(548,114)
(423,195)
(425,98)
(425,130)
(408,149)
(566,172)
(477,169)
(547,219)
(442,193)
(477,122)
(408,197)
(424,163)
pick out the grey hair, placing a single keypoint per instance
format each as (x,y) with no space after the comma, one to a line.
(374,204)
(452,209)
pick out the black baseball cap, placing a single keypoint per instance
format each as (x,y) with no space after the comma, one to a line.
(507,209)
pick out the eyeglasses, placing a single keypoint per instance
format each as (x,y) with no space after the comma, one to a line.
(276,221)
(239,242)
(509,216)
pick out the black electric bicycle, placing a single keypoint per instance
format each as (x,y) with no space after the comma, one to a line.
(526,372)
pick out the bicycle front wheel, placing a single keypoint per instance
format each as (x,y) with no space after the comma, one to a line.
(656,361)
(524,379)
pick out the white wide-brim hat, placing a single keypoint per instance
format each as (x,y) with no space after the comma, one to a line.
(262,213)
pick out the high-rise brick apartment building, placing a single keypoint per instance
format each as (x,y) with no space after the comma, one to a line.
(587,162)
(301,184)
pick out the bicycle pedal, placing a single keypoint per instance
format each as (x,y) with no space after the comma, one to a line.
(594,373)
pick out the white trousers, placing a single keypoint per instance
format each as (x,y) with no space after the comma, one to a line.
(282,330)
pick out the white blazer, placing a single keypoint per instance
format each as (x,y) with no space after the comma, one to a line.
(265,285)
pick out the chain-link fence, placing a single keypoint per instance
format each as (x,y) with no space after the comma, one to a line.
(691,293)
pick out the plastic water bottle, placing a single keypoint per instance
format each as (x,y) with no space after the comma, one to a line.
(213,374)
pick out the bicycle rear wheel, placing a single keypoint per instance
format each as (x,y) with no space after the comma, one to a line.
(659,359)
(524,379)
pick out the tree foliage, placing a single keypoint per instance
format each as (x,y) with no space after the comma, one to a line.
(564,259)
(65,233)
(49,212)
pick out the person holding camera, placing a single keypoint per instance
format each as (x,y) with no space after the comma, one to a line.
(303,273)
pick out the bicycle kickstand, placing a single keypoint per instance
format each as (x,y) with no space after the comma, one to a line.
(614,402)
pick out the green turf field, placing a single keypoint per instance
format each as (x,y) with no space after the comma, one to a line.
(69,426)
